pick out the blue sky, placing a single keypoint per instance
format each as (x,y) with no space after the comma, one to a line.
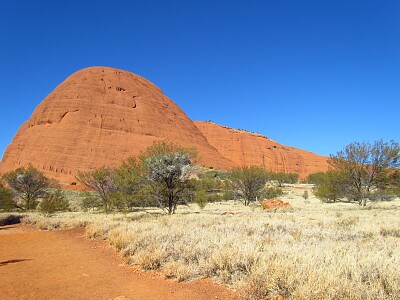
(316,75)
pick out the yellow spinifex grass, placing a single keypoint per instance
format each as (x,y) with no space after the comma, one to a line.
(313,250)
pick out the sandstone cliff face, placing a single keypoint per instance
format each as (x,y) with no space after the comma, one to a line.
(245,149)
(100,116)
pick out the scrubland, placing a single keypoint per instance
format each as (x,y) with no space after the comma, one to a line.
(312,250)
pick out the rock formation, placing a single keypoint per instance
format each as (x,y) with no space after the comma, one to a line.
(101,116)
(245,149)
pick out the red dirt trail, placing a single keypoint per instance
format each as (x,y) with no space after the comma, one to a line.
(66,265)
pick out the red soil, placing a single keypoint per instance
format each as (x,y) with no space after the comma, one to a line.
(65,265)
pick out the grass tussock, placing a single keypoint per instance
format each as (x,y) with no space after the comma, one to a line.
(312,251)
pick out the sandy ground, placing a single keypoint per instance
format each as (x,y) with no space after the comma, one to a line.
(66,265)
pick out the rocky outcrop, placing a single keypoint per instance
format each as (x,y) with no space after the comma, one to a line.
(100,116)
(245,148)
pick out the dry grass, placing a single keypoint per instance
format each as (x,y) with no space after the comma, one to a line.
(313,251)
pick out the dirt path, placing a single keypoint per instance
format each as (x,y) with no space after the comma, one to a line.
(65,265)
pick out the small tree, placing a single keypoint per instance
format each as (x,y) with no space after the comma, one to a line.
(366,167)
(29,184)
(201,198)
(168,170)
(128,178)
(54,202)
(249,182)
(102,182)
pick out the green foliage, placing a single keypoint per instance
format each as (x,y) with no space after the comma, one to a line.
(29,184)
(208,188)
(248,183)
(90,200)
(305,195)
(167,168)
(316,178)
(228,192)
(6,198)
(130,185)
(272,192)
(331,186)
(201,198)
(102,182)
(53,202)
(282,178)
(366,167)
(394,183)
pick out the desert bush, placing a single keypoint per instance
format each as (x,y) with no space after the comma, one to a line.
(90,200)
(272,192)
(316,178)
(29,184)
(331,187)
(366,167)
(208,188)
(283,178)
(130,184)
(54,201)
(6,199)
(201,198)
(167,169)
(102,182)
(248,183)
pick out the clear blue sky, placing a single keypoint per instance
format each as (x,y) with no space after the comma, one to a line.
(311,74)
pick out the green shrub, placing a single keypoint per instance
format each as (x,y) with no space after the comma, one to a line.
(316,178)
(273,192)
(54,202)
(201,198)
(90,201)
(6,199)
(331,187)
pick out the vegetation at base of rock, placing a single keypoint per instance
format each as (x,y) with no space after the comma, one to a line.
(362,171)
(167,170)
(249,183)
(54,201)
(102,181)
(282,178)
(207,188)
(6,199)
(272,192)
(28,184)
